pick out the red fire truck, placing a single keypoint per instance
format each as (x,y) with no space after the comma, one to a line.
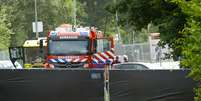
(84,47)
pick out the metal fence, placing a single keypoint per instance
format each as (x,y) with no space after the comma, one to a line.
(4,55)
(139,52)
(142,52)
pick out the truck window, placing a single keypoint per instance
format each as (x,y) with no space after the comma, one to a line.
(68,47)
(103,45)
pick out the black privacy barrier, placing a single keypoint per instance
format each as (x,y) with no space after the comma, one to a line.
(160,85)
(51,85)
(87,85)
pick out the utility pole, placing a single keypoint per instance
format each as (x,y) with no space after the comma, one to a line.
(118,32)
(133,39)
(74,13)
(117,26)
(36,20)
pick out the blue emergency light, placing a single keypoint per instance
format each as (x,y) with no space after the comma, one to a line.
(53,33)
(84,33)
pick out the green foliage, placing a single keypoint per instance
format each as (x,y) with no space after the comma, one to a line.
(51,12)
(5,24)
(97,13)
(198,94)
(178,22)
(109,26)
(166,16)
(192,41)
(65,9)
(100,17)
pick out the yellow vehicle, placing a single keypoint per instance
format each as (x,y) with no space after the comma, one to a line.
(32,53)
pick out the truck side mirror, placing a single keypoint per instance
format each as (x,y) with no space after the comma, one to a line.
(41,43)
(16,53)
(41,47)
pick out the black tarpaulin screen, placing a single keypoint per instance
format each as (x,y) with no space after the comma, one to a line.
(87,85)
(51,85)
(160,85)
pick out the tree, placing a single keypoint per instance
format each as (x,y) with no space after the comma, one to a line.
(5,25)
(166,15)
(51,12)
(179,25)
(192,40)
(97,15)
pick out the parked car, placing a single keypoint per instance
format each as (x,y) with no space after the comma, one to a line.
(7,64)
(153,66)
(166,65)
(131,65)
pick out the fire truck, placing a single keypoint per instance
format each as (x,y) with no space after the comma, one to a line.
(78,47)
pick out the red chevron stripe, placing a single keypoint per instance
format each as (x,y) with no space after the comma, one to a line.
(109,55)
(99,60)
(83,60)
(102,56)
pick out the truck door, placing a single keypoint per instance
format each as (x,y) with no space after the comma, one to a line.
(16,55)
(103,44)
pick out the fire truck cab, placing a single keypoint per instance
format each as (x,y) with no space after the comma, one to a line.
(83,47)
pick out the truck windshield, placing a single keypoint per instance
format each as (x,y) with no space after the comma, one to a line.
(68,47)
(32,54)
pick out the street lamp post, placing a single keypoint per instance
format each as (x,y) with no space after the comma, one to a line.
(36,20)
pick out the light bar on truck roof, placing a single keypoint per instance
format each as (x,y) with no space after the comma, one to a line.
(61,33)
(84,33)
(68,35)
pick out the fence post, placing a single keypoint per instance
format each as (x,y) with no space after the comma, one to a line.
(106,82)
